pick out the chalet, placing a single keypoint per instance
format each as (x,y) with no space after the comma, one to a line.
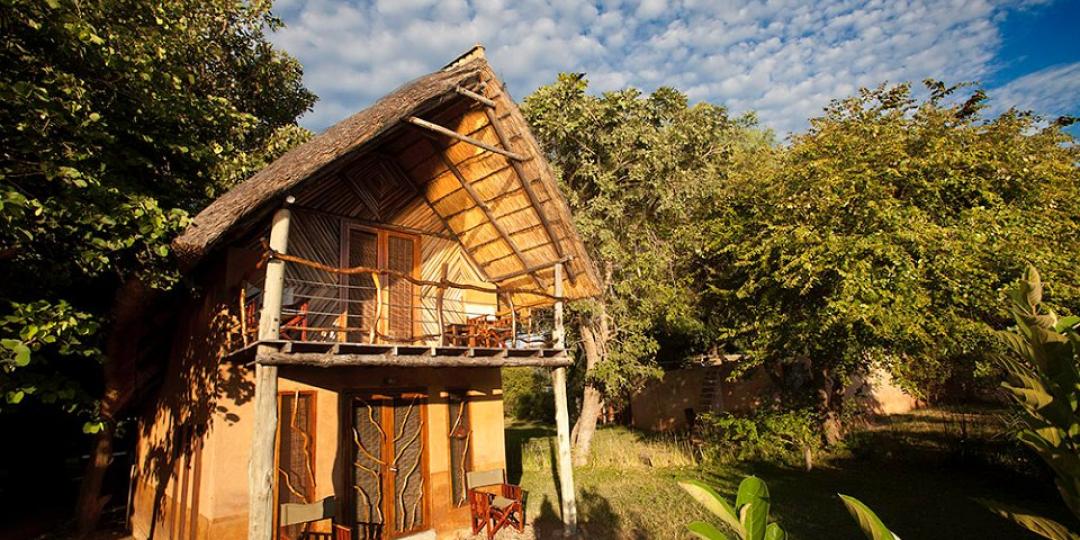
(350,308)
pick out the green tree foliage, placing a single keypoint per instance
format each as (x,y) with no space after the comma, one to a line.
(1043,371)
(882,236)
(118,119)
(640,173)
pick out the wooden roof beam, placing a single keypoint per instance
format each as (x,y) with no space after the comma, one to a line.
(487,212)
(463,138)
(394,169)
(534,200)
(531,269)
(474,96)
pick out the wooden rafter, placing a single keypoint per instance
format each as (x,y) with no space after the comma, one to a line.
(534,200)
(531,269)
(463,138)
(479,202)
(474,96)
(393,168)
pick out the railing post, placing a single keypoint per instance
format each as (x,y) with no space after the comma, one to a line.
(562,416)
(378,308)
(439,294)
(261,464)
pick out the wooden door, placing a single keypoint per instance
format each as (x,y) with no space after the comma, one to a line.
(389,474)
(397,317)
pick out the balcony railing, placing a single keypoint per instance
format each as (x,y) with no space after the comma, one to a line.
(379,306)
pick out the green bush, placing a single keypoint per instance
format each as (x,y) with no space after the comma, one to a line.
(527,394)
(789,437)
(1043,377)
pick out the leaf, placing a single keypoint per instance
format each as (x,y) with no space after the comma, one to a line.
(713,502)
(22,355)
(774,532)
(868,521)
(1066,323)
(1047,528)
(15,396)
(751,488)
(707,531)
(752,502)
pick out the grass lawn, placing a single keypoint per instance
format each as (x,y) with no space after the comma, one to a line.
(629,489)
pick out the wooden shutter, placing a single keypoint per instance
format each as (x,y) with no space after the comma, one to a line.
(363,250)
(399,257)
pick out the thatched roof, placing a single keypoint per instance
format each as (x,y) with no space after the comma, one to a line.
(545,233)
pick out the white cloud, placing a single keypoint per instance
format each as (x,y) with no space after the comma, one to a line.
(1052,91)
(782,58)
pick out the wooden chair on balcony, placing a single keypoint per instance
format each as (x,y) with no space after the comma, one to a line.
(294,316)
(493,503)
(481,331)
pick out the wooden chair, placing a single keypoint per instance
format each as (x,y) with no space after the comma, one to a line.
(493,503)
(305,513)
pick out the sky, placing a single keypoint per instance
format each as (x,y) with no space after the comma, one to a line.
(784,60)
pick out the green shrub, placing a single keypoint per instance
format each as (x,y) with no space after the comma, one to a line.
(789,437)
(1043,370)
(527,394)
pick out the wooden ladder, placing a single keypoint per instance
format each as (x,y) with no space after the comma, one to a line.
(710,384)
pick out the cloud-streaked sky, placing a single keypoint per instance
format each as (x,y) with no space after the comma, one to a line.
(783,59)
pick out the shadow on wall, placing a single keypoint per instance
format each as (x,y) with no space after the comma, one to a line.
(196,386)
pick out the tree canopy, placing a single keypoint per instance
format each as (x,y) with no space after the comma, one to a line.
(886,233)
(641,173)
(118,120)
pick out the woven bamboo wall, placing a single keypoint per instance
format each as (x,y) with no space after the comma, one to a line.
(367,195)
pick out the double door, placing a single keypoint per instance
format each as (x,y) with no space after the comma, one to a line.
(389,306)
(387,444)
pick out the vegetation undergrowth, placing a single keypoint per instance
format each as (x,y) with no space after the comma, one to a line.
(622,495)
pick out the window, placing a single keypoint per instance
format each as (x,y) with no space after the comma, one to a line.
(460,440)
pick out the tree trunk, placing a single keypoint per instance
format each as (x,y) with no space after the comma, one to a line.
(121,348)
(830,403)
(593,341)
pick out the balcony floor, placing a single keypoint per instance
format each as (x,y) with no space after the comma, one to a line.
(333,354)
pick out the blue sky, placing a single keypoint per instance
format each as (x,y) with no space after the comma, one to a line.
(783,59)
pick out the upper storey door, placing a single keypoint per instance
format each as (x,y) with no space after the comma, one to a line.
(391,305)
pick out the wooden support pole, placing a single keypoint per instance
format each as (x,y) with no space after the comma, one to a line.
(261,463)
(463,138)
(562,417)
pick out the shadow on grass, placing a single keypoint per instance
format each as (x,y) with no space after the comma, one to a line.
(517,435)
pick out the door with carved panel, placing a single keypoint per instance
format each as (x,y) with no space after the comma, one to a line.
(388,478)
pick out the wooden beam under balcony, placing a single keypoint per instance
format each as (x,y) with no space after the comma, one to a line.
(334,354)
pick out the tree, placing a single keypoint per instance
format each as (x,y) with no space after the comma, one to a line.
(640,172)
(884,234)
(118,120)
